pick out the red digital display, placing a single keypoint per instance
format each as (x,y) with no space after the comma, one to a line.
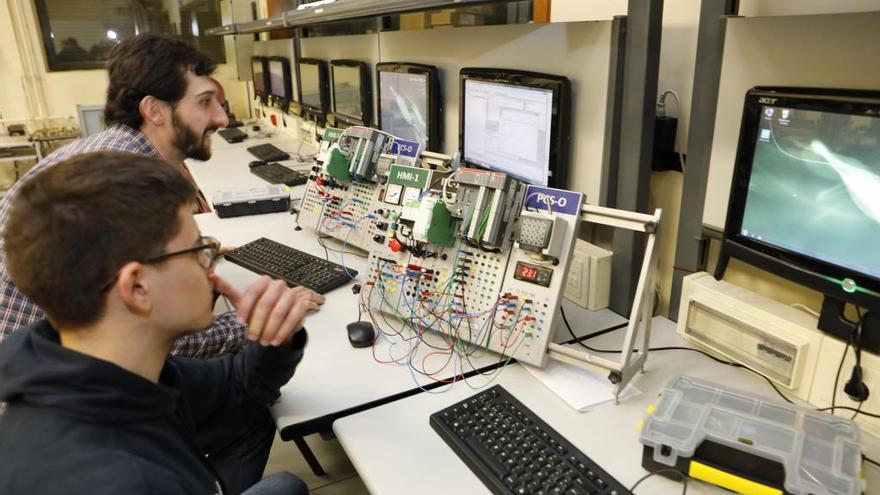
(532,274)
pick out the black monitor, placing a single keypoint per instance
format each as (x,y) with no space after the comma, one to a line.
(352,97)
(313,88)
(279,80)
(260,73)
(805,198)
(516,122)
(409,102)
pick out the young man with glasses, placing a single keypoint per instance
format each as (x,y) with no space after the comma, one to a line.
(161,103)
(107,244)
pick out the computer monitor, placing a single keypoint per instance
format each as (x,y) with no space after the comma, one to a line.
(409,102)
(91,119)
(260,71)
(313,88)
(804,202)
(279,80)
(352,98)
(516,122)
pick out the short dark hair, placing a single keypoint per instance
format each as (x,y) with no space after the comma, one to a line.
(72,226)
(149,65)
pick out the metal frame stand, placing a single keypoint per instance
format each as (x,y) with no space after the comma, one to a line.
(623,370)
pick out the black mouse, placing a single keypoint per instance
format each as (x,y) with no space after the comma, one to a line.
(361,334)
(256,163)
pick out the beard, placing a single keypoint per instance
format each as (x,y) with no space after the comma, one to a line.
(189,142)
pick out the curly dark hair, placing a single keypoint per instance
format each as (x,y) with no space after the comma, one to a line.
(149,65)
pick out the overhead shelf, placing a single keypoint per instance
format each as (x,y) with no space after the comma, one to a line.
(355,9)
(340,10)
(261,25)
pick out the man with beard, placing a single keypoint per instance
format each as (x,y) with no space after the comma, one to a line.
(162,103)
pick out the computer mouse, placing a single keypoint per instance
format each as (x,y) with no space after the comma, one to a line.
(361,334)
(256,163)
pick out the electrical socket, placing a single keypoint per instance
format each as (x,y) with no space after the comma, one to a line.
(589,276)
(826,369)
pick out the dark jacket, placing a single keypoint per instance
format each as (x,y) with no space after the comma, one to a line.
(77,424)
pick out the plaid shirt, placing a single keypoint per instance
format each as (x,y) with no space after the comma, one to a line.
(16,310)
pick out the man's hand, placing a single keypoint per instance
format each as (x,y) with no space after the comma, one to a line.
(272,311)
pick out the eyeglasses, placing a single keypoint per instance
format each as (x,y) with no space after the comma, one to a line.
(207,252)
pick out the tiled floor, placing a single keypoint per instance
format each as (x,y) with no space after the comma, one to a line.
(341,477)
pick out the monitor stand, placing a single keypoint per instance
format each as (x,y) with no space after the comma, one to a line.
(832,321)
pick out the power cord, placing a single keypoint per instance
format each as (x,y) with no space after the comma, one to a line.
(684,479)
(677,348)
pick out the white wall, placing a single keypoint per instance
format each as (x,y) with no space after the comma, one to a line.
(12,101)
(836,51)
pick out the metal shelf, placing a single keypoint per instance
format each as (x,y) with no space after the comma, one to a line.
(261,25)
(340,10)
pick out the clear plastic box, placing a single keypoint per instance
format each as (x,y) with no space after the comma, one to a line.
(820,453)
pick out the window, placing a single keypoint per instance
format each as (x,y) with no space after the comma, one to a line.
(79,35)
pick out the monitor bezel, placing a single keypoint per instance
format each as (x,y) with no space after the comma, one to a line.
(285,72)
(265,63)
(365,89)
(797,267)
(317,111)
(435,108)
(560,125)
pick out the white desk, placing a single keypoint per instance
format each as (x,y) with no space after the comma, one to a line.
(334,379)
(395,451)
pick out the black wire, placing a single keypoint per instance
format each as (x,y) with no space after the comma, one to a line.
(578,340)
(851,341)
(676,348)
(684,479)
(846,408)
(872,461)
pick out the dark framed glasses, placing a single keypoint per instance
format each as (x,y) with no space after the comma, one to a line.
(207,251)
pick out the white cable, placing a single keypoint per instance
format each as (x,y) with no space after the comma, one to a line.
(805,309)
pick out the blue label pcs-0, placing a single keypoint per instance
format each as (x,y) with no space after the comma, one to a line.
(402,147)
(567,202)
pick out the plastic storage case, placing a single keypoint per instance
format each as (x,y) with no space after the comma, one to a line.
(749,444)
(268,199)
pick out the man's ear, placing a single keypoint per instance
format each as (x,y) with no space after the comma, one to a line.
(154,110)
(133,288)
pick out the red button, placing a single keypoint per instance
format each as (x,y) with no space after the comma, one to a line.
(395,245)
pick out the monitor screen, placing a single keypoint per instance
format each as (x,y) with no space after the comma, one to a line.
(347,99)
(507,128)
(279,79)
(516,122)
(813,187)
(313,84)
(258,66)
(409,102)
(803,199)
(404,105)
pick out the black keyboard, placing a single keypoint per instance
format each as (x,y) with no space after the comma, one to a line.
(513,451)
(268,153)
(276,173)
(232,135)
(295,267)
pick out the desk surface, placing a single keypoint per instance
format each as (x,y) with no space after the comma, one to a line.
(337,381)
(380,441)
(334,379)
